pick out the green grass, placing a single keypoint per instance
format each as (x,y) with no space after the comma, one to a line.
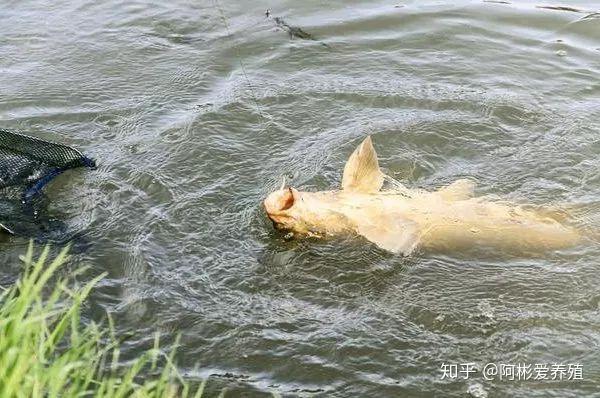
(46,351)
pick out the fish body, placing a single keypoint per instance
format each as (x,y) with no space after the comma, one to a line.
(402,220)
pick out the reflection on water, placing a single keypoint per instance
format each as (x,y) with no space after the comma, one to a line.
(194,123)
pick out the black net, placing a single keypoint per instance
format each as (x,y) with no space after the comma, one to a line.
(27,164)
(30,163)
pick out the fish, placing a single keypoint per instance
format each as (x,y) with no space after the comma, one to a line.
(403,220)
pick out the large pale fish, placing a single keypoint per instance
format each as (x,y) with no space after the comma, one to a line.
(401,220)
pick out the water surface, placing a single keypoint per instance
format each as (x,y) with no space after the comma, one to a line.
(196,109)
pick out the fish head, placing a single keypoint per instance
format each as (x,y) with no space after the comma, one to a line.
(322,213)
(307,214)
(285,210)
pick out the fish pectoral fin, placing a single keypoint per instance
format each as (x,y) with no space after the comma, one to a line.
(362,173)
(392,233)
(459,190)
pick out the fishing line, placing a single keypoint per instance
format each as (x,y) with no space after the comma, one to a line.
(398,187)
(239,59)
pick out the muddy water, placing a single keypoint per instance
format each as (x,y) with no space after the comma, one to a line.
(196,109)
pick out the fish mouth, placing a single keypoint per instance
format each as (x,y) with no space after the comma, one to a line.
(277,218)
(279,201)
(276,206)
(279,226)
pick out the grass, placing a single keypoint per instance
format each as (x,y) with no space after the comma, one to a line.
(46,351)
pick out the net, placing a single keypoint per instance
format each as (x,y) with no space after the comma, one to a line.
(27,165)
(30,163)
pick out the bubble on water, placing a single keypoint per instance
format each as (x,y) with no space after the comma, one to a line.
(561,53)
(476,390)
(486,309)
(484,315)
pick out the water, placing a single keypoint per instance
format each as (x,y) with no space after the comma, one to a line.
(187,146)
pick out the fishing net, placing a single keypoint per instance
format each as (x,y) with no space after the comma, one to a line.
(31,163)
(27,164)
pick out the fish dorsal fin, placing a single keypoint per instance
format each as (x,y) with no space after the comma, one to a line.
(391,232)
(459,190)
(361,173)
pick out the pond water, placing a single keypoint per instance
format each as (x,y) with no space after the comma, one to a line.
(195,110)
